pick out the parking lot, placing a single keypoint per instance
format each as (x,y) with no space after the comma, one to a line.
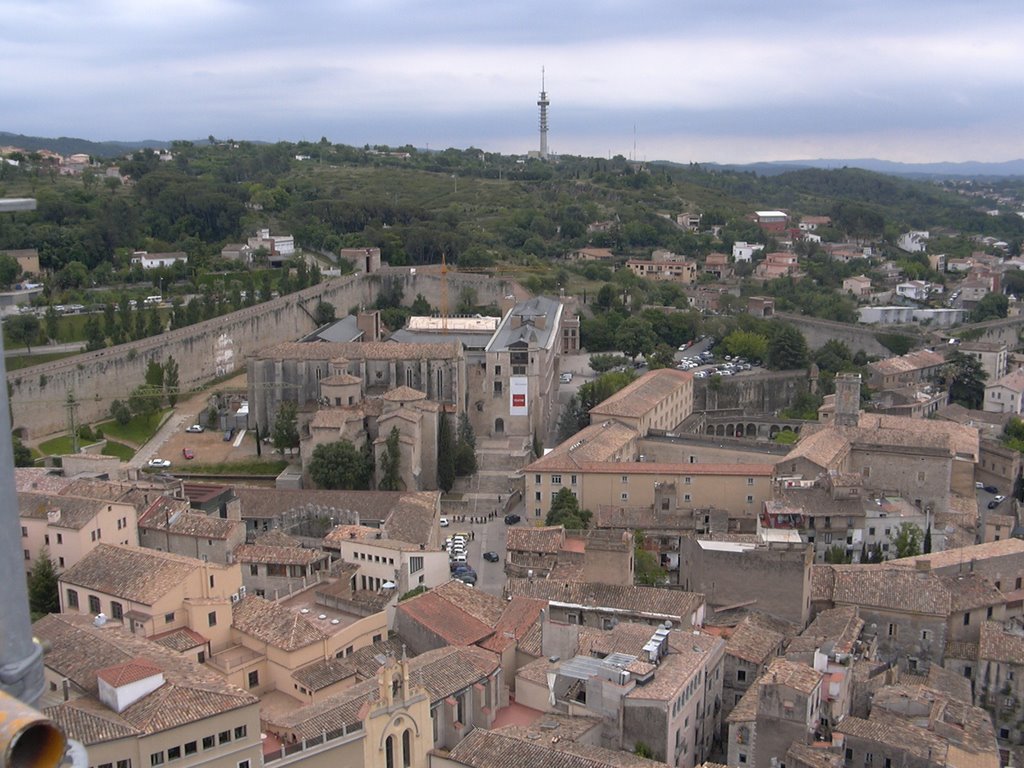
(484,537)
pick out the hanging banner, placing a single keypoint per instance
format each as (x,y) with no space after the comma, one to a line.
(517,390)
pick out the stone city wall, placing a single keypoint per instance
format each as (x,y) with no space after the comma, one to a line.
(213,348)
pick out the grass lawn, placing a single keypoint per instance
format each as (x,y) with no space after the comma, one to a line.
(253,467)
(14,362)
(58,446)
(135,432)
(122,451)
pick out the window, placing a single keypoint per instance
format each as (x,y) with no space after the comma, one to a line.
(157,758)
(124,764)
(254,678)
(536,479)
(389,752)
(28,555)
(871,531)
(988,612)
(168,618)
(191,747)
(497,370)
(240,732)
(211,618)
(94,604)
(224,736)
(536,495)
(254,569)
(46,539)
(72,598)
(24,531)
(924,634)
(60,561)
(741,675)
(211,581)
(572,479)
(497,389)
(116,610)
(625,478)
(243,764)
(174,753)
(967,619)
(208,742)
(750,499)
(624,496)
(687,481)
(894,631)
(415,563)
(556,479)
(750,481)
(60,538)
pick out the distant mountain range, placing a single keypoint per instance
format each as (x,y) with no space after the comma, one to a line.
(69,146)
(912,170)
(109,149)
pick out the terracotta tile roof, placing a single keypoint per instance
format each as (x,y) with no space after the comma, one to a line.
(625,637)
(969,591)
(838,627)
(175,516)
(597,443)
(442,672)
(826,448)
(89,721)
(260,553)
(799,677)
(365,658)
(127,672)
(547,540)
(521,614)
(892,588)
(341,379)
(403,394)
(640,396)
(444,619)
(180,640)
(676,468)
(823,582)
(745,710)
(39,480)
(133,573)
(530,643)
(808,756)
(324,673)
(277,538)
(477,603)
(1013,381)
(913,361)
(997,644)
(413,518)
(274,624)
(352,351)
(964,556)
(190,693)
(961,650)
(337,418)
(499,749)
(75,513)
(895,733)
(652,602)
(753,642)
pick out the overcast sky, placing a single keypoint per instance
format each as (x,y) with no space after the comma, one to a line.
(687,80)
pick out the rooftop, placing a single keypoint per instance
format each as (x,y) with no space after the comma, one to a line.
(522,325)
(998,643)
(912,361)
(133,573)
(639,397)
(649,602)
(598,443)
(369,350)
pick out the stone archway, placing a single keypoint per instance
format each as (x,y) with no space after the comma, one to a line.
(499,426)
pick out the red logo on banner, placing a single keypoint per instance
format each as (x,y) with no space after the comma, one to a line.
(518,401)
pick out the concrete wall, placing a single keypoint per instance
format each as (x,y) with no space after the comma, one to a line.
(778,580)
(212,348)
(818,331)
(760,393)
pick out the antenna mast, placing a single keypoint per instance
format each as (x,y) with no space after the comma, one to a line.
(543,104)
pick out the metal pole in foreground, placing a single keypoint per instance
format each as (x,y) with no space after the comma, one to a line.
(27,738)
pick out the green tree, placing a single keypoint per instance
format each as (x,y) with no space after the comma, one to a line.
(391,463)
(572,419)
(908,540)
(445,454)
(928,539)
(340,466)
(172,380)
(43,596)
(52,320)
(9,269)
(787,349)
(420,306)
(991,307)
(635,336)
(324,313)
(837,555)
(285,432)
(154,374)
(663,356)
(94,338)
(565,511)
(465,447)
(22,329)
(965,378)
(603,387)
(604,363)
(120,412)
(646,570)
(144,401)
(748,344)
(641,749)
(22,453)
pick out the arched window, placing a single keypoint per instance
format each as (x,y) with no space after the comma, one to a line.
(499,426)
(407,748)
(389,752)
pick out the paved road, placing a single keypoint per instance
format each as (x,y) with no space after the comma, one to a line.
(487,537)
(46,349)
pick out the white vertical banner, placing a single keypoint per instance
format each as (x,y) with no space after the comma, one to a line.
(517,394)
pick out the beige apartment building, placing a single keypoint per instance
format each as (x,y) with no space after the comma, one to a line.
(153,592)
(660,399)
(70,527)
(406,565)
(136,704)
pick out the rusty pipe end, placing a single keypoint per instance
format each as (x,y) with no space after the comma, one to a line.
(28,739)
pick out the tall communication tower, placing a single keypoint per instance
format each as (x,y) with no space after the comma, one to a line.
(543,104)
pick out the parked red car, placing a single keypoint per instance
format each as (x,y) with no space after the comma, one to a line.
(188,453)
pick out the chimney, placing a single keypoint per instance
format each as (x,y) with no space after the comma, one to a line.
(923,564)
